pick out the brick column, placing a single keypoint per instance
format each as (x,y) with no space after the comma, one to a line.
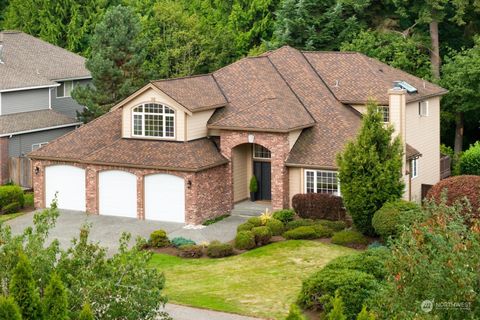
(91,184)
(38,184)
(4,160)
(140,197)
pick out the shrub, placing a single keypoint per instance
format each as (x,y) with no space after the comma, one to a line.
(365,314)
(299,223)
(319,206)
(371,261)
(456,189)
(9,309)
(285,215)
(470,160)
(191,251)
(247,226)
(349,238)
(275,226)
(253,187)
(216,249)
(11,208)
(333,225)
(295,313)
(337,309)
(355,287)
(86,313)
(28,199)
(245,240)
(393,216)
(262,235)
(11,194)
(55,304)
(256,221)
(322,231)
(181,241)
(305,232)
(159,239)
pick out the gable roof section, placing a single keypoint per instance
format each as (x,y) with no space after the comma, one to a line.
(33,121)
(258,99)
(100,142)
(355,78)
(194,93)
(36,62)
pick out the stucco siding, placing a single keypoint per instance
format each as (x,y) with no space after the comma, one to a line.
(67,105)
(152,96)
(197,124)
(24,101)
(295,180)
(21,145)
(240,163)
(423,133)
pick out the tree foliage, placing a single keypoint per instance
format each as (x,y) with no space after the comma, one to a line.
(55,303)
(9,309)
(370,170)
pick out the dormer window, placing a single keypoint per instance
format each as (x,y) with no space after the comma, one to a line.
(153,120)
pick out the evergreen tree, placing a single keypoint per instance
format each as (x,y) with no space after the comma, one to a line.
(118,53)
(9,309)
(86,313)
(365,315)
(24,290)
(370,169)
(337,309)
(55,303)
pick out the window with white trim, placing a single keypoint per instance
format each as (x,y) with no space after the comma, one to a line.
(65,89)
(153,120)
(260,152)
(36,146)
(385,112)
(414,168)
(423,108)
(322,181)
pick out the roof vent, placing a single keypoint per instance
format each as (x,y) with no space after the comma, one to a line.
(404,85)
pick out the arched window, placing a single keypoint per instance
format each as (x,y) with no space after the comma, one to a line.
(153,120)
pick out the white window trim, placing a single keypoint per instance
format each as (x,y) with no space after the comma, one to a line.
(414,164)
(427,109)
(164,137)
(63,94)
(260,158)
(339,193)
(382,109)
(38,145)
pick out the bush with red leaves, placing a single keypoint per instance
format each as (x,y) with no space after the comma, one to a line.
(456,189)
(319,206)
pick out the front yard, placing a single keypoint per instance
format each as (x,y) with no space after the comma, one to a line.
(262,282)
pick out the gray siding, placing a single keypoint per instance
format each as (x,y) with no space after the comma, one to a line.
(21,145)
(24,101)
(67,105)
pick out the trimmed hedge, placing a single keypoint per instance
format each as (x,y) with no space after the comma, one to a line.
(191,251)
(371,261)
(392,216)
(470,160)
(181,241)
(305,232)
(333,225)
(262,235)
(11,194)
(275,226)
(295,313)
(319,206)
(11,208)
(322,232)
(216,249)
(285,215)
(299,223)
(349,238)
(456,189)
(256,221)
(247,226)
(159,239)
(245,240)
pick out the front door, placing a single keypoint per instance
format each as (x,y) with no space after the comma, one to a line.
(262,171)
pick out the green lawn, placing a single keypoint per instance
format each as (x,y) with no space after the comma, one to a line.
(262,282)
(5,217)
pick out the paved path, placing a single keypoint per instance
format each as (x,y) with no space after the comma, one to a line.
(178,312)
(107,230)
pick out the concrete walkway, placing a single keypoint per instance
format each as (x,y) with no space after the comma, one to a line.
(107,230)
(178,312)
(248,208)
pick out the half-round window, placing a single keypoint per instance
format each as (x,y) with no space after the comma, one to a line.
(153,120)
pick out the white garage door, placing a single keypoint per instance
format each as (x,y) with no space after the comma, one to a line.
(69,184)
(164,198)
(117,192)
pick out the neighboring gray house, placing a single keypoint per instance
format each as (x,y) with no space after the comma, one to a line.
(36,80)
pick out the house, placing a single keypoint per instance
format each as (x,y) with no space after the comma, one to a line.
(185,149)
(36,79)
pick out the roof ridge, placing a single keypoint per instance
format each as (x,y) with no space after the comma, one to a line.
(246,108)
(325,51)
(220,88)
(183,77)
(239,61)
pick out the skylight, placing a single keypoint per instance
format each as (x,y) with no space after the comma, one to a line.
(405,85)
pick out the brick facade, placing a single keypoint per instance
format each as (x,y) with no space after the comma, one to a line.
(203,199)
(4,176)
(279,147)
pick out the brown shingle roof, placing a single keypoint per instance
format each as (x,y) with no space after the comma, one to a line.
(411,152)
(29,61)
(34,120)
(194,93)
(100,142)
(355,78)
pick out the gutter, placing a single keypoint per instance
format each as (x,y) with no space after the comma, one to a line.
(30,88)
(73,78)
(41,129)
(212,126)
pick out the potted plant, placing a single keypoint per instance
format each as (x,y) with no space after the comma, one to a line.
(253,187)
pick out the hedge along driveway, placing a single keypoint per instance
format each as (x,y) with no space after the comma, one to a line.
(262,282)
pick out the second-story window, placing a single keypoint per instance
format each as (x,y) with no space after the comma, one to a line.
(385,112)
(65,89)
(153,120)
(423,108)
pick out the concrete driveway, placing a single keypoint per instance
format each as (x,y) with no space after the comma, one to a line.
(107,230)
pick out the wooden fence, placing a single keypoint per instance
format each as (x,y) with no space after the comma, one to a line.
(445,166)
(20,170)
